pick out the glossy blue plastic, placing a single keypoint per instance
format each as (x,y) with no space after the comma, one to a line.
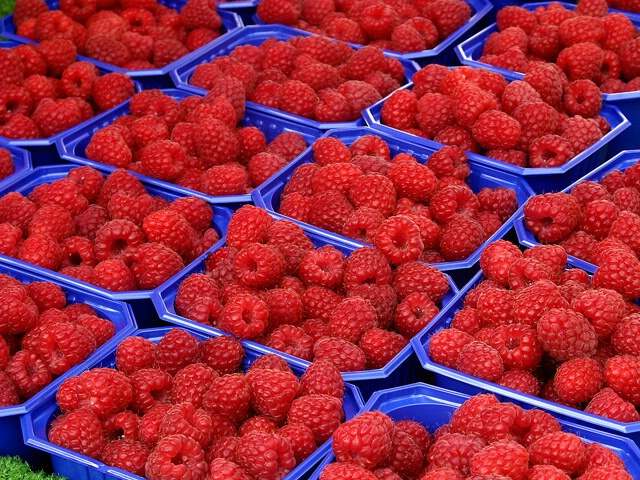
(402,369)
(433,407)
(539,179)
(470,51)
(460,382)
(140,300)
(443,52)
(622,161)
(76,466)
(255,35)
(152,78)
(268,194)
(21,164)
(118,313)
(43,150)
(71,146)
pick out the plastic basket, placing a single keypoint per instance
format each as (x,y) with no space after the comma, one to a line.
(622,161)
(470,51)
(118,313)
(460,382)
(71,146)
(152,78)
(268,194)
(140,300)
(539,179)
(444,51)
(255,35)
(44,149)
(402,369)
(433,407)
(76,466)
(21,164)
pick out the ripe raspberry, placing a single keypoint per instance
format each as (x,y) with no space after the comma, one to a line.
(103,391)
(274,11)
(153,264)
(322,378)
(175,350)
(373,428)
(257,447)
(249,224)
(504,457)
(454,451)
(399,111)
(447,202)
(460,238)
(578,380)
(492,121)
(272,392)
(129,455)
(113,274)
(417,277)
(576,337)
(80,431)
(562,450)
(618,374)
(344,355)
(160,465)
(480,360)
(64,345)
(609,404)
(28,373)
(552,216)
(380,346)
(446,345)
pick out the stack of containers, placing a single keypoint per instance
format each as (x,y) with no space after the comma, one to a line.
(431,406)
(470,51)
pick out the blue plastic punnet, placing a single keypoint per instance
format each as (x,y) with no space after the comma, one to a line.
(140,300)
(268,194)
(444,51)
(622,161)
(43,150)
(21,164)
(470,51)
(152,78)
(400,370)
(71,146)
(433,407)
(119,313)
(460,382)
(539,179)
(76,466)
(256,35)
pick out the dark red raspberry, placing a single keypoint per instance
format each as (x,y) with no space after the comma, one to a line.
(80,431)
(153,264)
(455,451)
(504,457)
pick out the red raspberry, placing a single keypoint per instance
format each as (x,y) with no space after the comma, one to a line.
(609,404)
(480,360)
(578,380)
(26,9)
(485,130)
(449,161)
(448,15)
(521,381)
(518,345)
(117,239)
(603,308)
(64,345)
(257,447)
(580,132)
(276,11)
(168,228)
(581,61)
(360,95)
(460,238)
(80,431)
(291,340)
(551,216)
(151,387)
(230,396)
(351,318)
(272,392)
(399,110)
(129,455)
(617,265)
(153,264)
(560,449)
(371,428)
(576,337)
(504,457)
(160,466)
(344,355)
(449,201)
(514,16)
(414,313)
(337,470)
(454,451)
(28,373)
(469,409)
(469,101)
(582,28)
(322,378)
(583,97)
(187,420)
(105,48)
(113,274)
(175,350)
(55,116)
(624,337)
(259,265)
(103,391)
(417,277)
(19,312)
(270,361)
(446,345)
(380,346)
(249,224)
(398,238)
(366,265)
(134,353)
(618,374)
(245,316)
(298,98)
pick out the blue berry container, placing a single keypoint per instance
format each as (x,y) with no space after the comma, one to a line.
(470,51)
(622,161)
(454,380)
(268,194)
(76,466)
(71,146)
(402,369)
(444,51)
(118,313)
(539,179)
(433,407)
(21,164)
(256,35)
(152,78)
(140,300)
(43,150)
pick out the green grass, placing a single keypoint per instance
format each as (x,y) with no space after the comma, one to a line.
(13,468)
(6,7)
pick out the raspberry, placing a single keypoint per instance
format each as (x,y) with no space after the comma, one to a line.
(344,355)
(480,360)
(298,98)
(492,121)
(552,216)
(160,464)
(257,447)
(618,374)
(417,277)
(151,387)
(108,146)
(64,345)
(454,451)
(447,202)
(103,391)
(580,29)
(153,264)
(399,111)
(28,373)
(175,350)
(578,380)
(576,337)
(460,238)
(583,97)
(249,224)
(504,457)
(275,11)
(609,404)
(559,449)
(105,48)
(272,392)
(129,455)
(351,318)
(80,431)
(113,274)
(449,161)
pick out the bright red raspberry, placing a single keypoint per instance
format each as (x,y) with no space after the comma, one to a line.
(103,391)
(578,380)
(380,346)
(480,360)
(272,392)
(580,132)
(619,374)
(455,451)
(168,228)
(576,336)
(129,455)
(80,431)
(603,308)
(460,238)
(249,224)
(64,345)
(153,264)
(343,354)
(551,216)
(160,465)
(113,274)
(560,449)
(257,447)
(417,277)
(28,373)
(609,404)
(151,387)
(399,110)
(446,345)
(177,349)
(495,129)
(414,313)
(504,457)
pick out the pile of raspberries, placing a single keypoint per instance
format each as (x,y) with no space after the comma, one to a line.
(181,398)
(587,43)
(6,163)
(271,285)
(198,143)
(540,121)
(131,34)
(42,337)
(107,232)
(410,26)
(534,326)
(593,220)
(485,439)
(313,77)
(410,210)
(44,90)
